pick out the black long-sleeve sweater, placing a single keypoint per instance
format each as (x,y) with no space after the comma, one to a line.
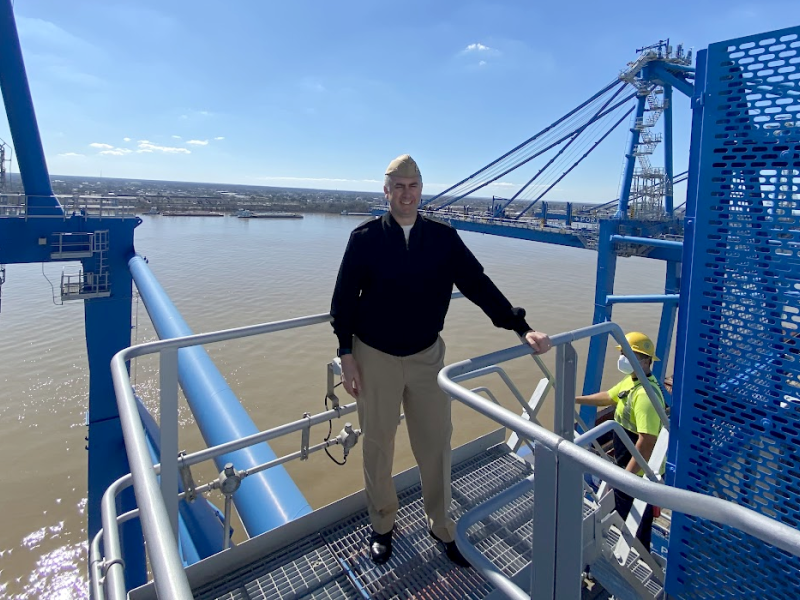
(394,295)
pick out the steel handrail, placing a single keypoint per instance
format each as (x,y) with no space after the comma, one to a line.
(168,575)
(163,553)
(486,567)
(691,503)
(595,432)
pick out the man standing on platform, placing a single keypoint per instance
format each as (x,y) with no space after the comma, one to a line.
(388,308)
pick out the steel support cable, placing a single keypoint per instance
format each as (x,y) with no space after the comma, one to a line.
(572,125)
(579,161)
(560,160)
(556,173)
(516,166)
(489,174)
(557,162)
(598,128)
(531,139)
(591,121)
(477,185)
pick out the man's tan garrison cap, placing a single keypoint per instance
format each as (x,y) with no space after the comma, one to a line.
(403,166)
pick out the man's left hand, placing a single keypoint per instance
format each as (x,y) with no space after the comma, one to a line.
(539,341)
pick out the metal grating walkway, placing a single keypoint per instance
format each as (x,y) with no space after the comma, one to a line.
(334,563)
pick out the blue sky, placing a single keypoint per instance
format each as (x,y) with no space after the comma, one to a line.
(324,94)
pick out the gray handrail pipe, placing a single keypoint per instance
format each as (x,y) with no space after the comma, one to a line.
(571,455)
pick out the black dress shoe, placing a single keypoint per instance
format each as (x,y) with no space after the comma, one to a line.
(452,552)
(380,547)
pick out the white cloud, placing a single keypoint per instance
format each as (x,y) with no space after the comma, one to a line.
(482,49)
(102,146)
(176,137)
(481,52)
(198,142)
(116,152)
(477,47)
(127,139)
(219,138)
(194,114)
(147,147)
(72,155)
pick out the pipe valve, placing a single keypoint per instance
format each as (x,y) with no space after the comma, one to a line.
(348,437)
(229,480)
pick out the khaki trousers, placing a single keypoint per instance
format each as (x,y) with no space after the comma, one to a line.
(387,382)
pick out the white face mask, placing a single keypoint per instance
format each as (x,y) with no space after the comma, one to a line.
(624,365)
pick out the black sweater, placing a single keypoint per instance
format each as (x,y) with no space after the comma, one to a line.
(394,296)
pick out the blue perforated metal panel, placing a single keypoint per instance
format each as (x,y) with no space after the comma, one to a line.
(736,421)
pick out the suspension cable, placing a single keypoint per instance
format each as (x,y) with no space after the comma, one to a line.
(518,164)
(529,140)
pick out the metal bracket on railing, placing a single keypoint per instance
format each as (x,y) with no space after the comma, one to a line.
(334,369)
(305,438)
(107,564)
(229,481)
(347,438)
(189,486)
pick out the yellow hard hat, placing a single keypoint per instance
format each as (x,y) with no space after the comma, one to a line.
(641,344)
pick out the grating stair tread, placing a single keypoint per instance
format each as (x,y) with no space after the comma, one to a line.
(334,563)
(633,581)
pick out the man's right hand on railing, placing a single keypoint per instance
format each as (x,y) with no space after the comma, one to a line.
(351,375)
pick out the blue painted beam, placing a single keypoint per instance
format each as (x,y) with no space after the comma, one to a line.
(630,160)
(669,313)
(265,500)
(22,119)
(668,152)
(661,75)
(108,330)
(690,223)
(656,243)
(604,286)
(553,236)
(644,299)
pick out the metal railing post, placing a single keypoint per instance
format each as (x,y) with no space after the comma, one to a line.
(569,482)
(569,529)
(543,556)
(168,372)
(566,368)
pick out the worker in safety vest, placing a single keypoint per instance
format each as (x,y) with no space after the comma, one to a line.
(635,412)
